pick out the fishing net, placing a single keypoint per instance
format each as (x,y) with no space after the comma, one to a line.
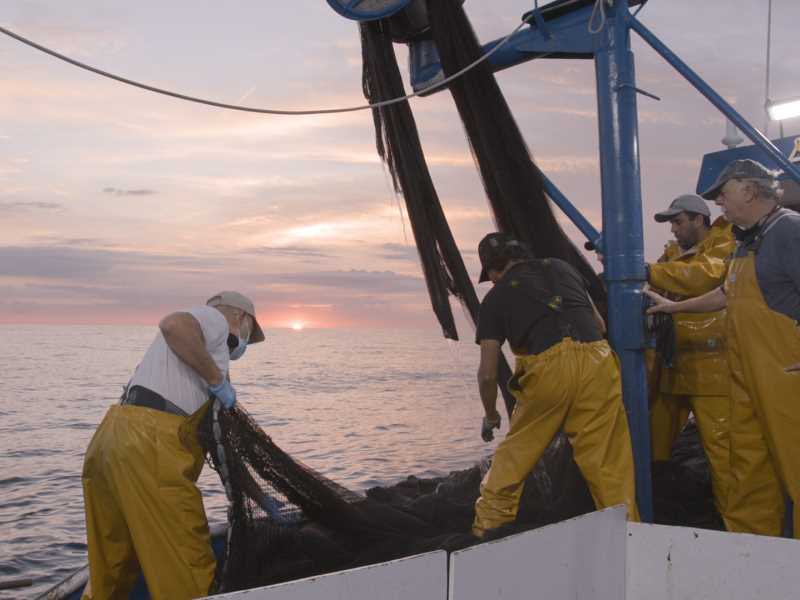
(286,521)
(514,184)
(398,145)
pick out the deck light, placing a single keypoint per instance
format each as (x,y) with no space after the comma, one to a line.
(783,109)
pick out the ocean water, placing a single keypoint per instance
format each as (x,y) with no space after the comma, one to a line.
(365,408)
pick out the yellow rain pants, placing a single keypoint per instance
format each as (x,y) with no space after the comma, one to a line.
(712,414)
(577,387)
(765,407)
(143,510)
(668,415)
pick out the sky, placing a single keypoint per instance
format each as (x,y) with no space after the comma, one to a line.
(120,206)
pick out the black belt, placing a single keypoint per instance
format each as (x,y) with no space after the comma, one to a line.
(541,345)
(141,396)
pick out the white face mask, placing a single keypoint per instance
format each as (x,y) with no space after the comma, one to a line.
(238,350)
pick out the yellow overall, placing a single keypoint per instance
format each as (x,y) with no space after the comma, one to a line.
(698,379)
(765,407)
(143,510)
(577,387)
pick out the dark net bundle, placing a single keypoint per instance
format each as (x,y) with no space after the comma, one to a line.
(286,521)
(399,146)
(513,182)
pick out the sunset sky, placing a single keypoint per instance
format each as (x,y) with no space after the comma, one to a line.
(118,205)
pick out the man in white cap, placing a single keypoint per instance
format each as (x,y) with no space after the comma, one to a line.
(762,295)
(143,509)
(693,375)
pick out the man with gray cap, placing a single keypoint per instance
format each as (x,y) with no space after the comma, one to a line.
(143,509)
(695,376)
(762,295)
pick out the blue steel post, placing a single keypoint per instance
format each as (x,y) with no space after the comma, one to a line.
(623,240)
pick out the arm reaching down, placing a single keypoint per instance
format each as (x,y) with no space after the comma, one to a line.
(487,384)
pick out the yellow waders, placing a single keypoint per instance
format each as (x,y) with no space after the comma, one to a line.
(143,510)
(577,387)
(765,407)
(667,417)
(698,380)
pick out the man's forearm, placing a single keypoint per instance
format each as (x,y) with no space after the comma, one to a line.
(488,390)
(710,302)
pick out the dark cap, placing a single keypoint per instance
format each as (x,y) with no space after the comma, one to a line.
(496,246)
(686,203)
(745,168)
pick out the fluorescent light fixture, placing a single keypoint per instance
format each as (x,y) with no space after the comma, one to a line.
(783,109)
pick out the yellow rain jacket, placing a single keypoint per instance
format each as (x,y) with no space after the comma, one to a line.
(700,368)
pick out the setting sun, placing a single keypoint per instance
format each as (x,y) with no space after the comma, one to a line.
(297,325)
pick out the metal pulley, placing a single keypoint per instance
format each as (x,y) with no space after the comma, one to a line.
(368,10)
(408,19)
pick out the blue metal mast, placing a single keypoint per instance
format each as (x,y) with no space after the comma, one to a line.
(623,238)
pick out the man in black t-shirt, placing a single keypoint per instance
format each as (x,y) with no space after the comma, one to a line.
(566,377)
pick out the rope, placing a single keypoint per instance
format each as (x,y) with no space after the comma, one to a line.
(269,111)
(598,9)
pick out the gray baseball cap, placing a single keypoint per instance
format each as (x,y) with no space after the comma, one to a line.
(242,302)
(685,203)
(744,168)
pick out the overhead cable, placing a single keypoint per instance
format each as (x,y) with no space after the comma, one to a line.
(269,111)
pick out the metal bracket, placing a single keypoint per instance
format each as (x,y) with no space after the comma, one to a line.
(540,23)
(638,90)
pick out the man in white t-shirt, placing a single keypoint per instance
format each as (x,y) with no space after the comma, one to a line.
(143,509)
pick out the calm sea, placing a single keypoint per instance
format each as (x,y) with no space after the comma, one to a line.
(365,408)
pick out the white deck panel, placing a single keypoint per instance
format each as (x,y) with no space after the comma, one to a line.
(679,563)
(421,577)
(579,559)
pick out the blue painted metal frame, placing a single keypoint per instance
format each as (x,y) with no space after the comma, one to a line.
(751,132)
(622,240)
(714,162)
(564,37)
(623,236)
(569,209)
